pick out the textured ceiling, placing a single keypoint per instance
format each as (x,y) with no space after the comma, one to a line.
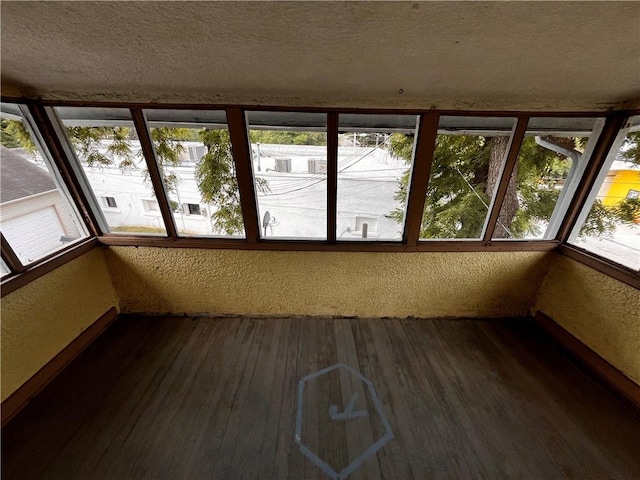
(477,55)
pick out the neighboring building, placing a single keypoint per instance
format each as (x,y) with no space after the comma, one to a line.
(296,196)
(622,182)
(33,212)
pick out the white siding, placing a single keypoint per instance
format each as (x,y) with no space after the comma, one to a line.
(33,225)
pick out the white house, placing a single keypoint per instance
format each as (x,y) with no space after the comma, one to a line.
(34,217)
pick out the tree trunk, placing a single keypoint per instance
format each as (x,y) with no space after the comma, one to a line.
(510,205)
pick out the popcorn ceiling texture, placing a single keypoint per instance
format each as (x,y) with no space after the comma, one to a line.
(599,310)
(450,55)
(44,316)
(326,283)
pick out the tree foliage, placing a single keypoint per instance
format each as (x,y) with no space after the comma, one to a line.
(282,137)
(463,175)
(458,194)
(13,134)
(631,148)
(99,147)
(109,146)
(217,181)
(455,203)
(215,171)
(168,149)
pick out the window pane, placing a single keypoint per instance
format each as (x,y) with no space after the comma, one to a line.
(551,161)
(107,147)
(193,149)
(289,156)
(375,155)
(467,162)
(4,270)
(36,216)
(609,225)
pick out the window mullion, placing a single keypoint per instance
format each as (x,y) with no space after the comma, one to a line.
(237,121)
(607,138)
(332,176)
(140,122)
(10,257)
(52,139)
(515,141)
(422,161)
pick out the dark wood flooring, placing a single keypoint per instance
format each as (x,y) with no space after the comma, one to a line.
(205,398)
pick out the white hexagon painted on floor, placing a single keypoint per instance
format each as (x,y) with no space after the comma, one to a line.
(360,403)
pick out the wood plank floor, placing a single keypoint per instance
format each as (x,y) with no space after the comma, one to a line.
(202,398)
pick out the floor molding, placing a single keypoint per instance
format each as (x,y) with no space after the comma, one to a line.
(616,381)
(21,397)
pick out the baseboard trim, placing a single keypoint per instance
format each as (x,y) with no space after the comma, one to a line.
(21,397)
(616,381)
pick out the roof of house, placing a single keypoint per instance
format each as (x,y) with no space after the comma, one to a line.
(20,177)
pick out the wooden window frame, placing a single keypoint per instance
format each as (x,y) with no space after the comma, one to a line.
(238,129)
(17,279)
(149,153)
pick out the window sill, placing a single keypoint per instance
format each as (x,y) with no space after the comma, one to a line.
(623,274)
(14,281)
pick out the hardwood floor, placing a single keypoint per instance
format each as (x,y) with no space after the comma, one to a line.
(167,397)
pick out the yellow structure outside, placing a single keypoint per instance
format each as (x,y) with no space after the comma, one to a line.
(617,185)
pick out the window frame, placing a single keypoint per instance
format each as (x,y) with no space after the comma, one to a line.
(48,126)
(38,130)
(107,202)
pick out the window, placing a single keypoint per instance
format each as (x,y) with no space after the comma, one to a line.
(468,158)
(206,185)
(108,153)
(609,224)
(193,209)
(4,269)
(150,205)
(551,161)
(283,165)
(191,153)
(109,202)
(317,165)
(36,215)
(375,155)
(282,146)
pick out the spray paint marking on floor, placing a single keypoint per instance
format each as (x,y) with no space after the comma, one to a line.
(346,414)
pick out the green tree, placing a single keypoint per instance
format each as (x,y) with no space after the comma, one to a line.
(101,147)
(464,175)
(215,172)
(13,134)
(288,137)
(218,184)
(631,148)
(90,142)
(168,149)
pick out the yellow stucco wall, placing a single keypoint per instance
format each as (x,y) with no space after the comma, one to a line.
(496,284)
(41,318)
(599,310)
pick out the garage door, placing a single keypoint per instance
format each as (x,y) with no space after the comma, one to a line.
(34,235)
